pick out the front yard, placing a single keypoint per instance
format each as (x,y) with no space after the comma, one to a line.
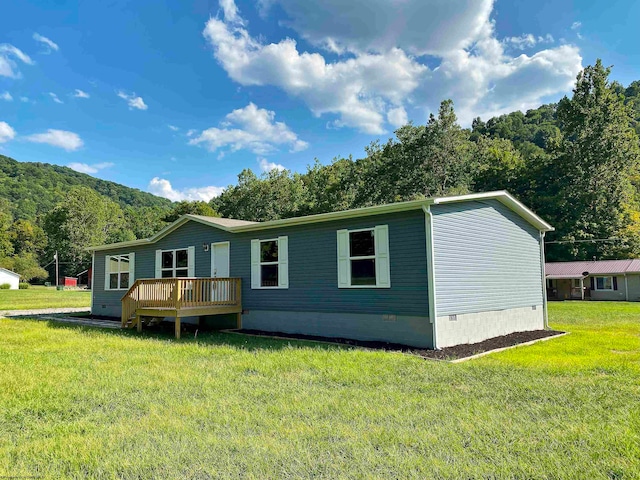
(77,402)
(43,297)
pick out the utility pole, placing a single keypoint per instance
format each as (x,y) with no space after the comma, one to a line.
(57,270)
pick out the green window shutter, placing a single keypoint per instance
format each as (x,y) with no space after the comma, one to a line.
(191,262)
(158,263)
(343,259)
(283,262)
(132,268)
(383,268)
(615,283)
(255,264)
(593,283)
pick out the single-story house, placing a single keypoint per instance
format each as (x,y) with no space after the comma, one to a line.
(597,280)
(427,273)
(12,278)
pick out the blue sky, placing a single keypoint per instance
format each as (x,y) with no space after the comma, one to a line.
(177,97)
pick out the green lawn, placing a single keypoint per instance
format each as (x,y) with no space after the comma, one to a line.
(80,402)
(43,297)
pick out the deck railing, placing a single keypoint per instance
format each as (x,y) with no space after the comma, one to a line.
(180,293)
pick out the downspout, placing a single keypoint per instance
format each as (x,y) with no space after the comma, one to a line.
(431,273)
(544,282)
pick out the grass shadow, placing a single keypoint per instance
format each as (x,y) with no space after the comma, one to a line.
(192,334)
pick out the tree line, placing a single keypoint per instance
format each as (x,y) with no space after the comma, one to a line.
(575,163)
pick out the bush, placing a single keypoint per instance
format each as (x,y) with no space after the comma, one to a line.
(23,285)
(5,286)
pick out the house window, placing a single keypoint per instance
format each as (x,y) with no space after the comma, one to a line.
(118,270)
(604,283)
(363,258)
(175,263)
(551,283)
(575,283)
(269,263)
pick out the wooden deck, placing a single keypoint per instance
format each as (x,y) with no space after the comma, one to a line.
(179,298)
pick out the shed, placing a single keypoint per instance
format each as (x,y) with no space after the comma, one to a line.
(12,278)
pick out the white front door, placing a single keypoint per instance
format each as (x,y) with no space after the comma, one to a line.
(220,260)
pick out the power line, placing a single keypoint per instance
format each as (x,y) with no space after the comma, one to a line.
(593,240)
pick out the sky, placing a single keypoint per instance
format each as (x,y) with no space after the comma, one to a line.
(178,97)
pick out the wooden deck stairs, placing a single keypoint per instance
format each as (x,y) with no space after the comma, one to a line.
(149,301)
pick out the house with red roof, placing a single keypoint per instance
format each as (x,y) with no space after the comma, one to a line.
(595,280)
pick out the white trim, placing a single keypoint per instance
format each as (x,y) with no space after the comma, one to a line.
(108,272)
(595,283)
(378,256)
(213,261)
(174,268)
(431,273)
(282,263)
(132,268)
(502,196)
(93,285)
(544,282)
(626,288)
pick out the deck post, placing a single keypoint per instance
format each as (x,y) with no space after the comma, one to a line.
(139,320)
(239,321)
(177,327)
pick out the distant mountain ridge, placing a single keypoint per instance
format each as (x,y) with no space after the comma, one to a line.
(34,188)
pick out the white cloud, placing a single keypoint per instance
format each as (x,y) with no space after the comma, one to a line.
(267,166)
(576,25)
(86,168)
(80,94)
(55,98)
(133,101)
(173,127)
(419,27)
(397,117)
(250,128)
(24,99)
(230,11)
(6,96)
(58,138)
(6,132)
(162,188)
(528,41)
(376,73)
(191,132)
(47,43)
(8,64)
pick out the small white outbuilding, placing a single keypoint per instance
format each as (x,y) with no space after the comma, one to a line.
(12,278)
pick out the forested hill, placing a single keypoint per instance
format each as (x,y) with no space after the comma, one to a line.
(33,189)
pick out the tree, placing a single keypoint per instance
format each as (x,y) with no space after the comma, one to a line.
(83,219)
(6,219)
(186,207)
(27,238)
(26,265)
(595,162)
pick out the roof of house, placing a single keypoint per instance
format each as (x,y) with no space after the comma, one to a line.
(578,269)
(235,226)
(9,272)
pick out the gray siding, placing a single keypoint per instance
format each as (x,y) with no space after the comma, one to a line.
(614,295)
(486,258)
(313,283)
(634,287)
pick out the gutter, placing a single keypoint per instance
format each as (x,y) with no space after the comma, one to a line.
(431,272)
(544,282)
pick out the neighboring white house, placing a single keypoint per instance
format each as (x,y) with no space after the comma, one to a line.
(12,278)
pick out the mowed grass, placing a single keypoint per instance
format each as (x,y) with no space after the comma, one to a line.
(43,297)
(80,402)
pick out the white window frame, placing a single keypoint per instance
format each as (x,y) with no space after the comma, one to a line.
(107,271)
(595,283)
(175,257)
(282,263)
(575,283)
(381,257)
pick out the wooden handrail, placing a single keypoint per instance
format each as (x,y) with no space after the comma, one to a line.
(177,293)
